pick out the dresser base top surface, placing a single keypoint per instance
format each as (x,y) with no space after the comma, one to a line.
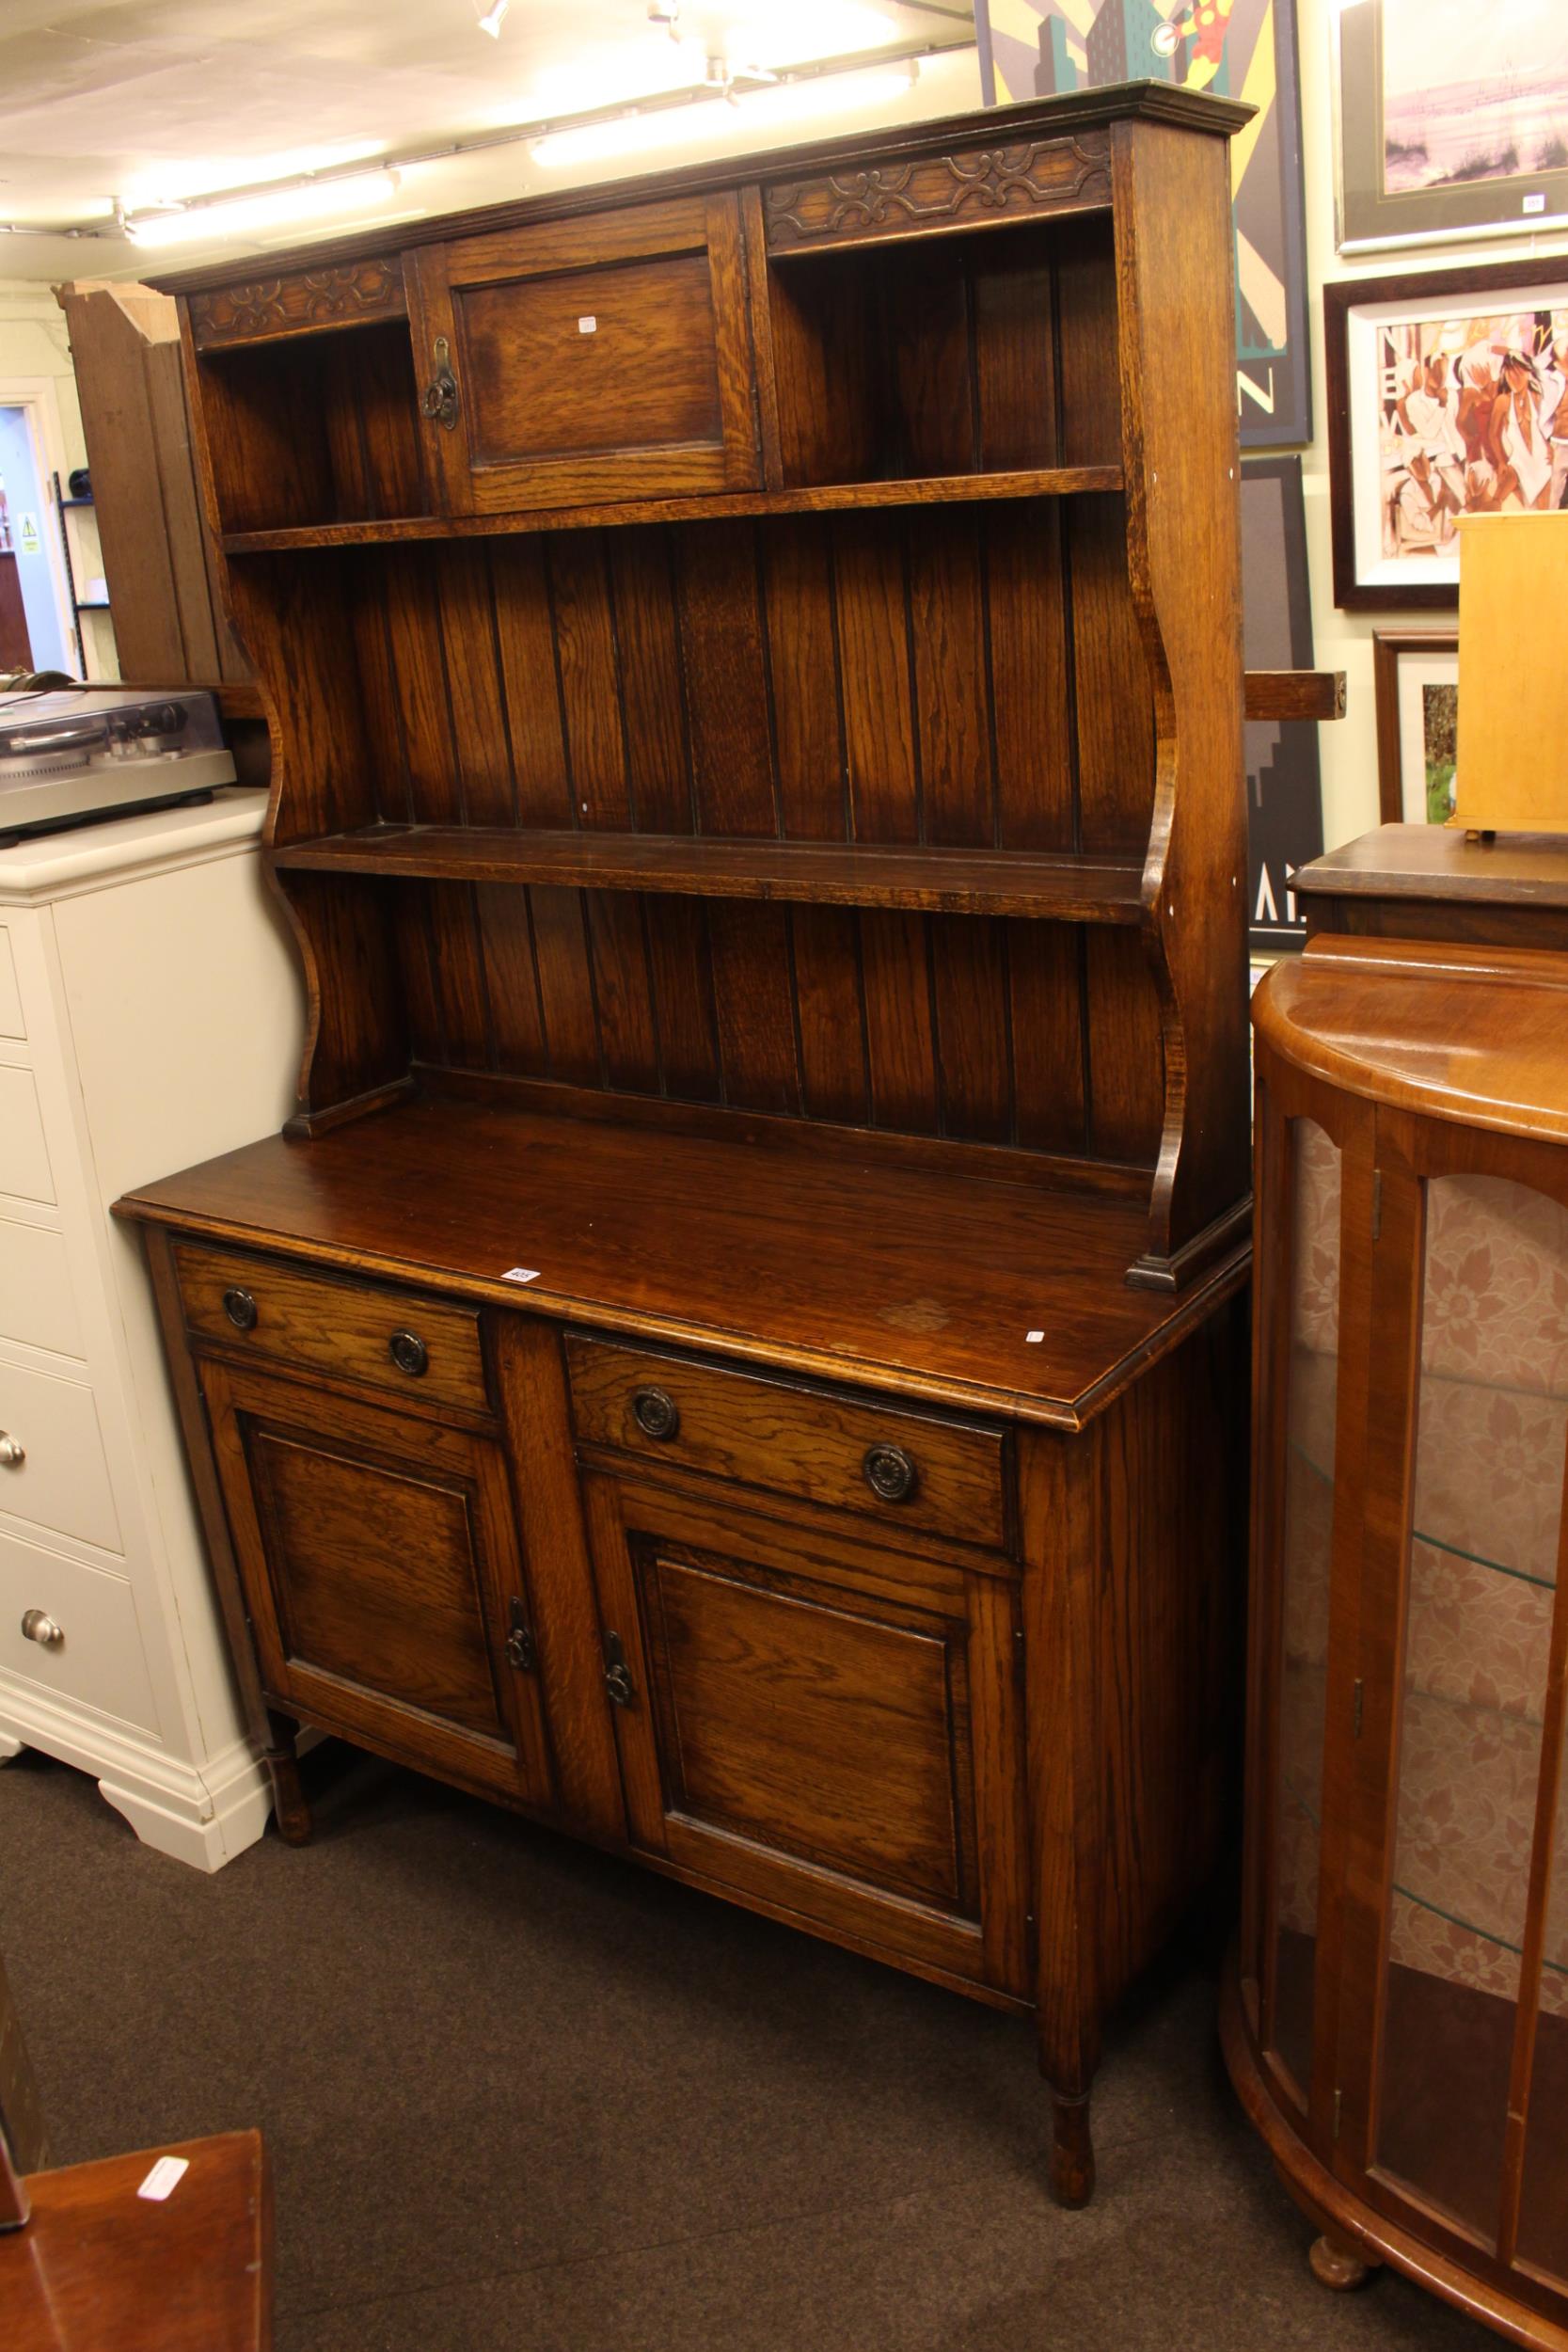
(899,1277)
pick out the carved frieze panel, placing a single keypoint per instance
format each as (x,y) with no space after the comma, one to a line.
(962,190)
(337,295)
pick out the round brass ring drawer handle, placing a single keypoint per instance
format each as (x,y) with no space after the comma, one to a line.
(40,1627)
(241,1308)
(409,1353)
(890,1473)
(656,1412)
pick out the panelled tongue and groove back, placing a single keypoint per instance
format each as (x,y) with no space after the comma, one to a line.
(753,664)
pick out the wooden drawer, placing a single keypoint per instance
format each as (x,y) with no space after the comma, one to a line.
(799,1441)
(318,1322)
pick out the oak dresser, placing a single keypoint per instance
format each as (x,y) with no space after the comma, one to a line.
(740,1350)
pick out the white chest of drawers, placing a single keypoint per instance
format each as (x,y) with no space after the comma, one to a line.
(151,1015)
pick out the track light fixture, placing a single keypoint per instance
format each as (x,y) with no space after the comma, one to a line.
(494,18)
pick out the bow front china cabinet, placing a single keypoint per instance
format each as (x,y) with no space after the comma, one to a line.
(1397,2025)
(737,1351)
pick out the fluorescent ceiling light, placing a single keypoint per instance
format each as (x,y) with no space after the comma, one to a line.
(675,126)
(630,134)
(179,183)
(240,215)
(831,93)
(766,34)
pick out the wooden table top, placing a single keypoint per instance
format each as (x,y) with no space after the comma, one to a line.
(900,1277)
(99,2269)
(1426,861)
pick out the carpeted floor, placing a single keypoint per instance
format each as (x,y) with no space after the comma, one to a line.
(522,2098)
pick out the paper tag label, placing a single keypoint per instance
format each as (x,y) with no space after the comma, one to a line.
(521,1274)
(1535,203)
(588,326)
(167,2174)
(1033,1339)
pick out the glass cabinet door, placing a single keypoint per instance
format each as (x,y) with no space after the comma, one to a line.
(1304,1550)
(1474,2009)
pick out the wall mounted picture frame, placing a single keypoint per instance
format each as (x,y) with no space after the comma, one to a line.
(1285,822)
(1243,49)
(1452,120)
(1448,395)
(1416,693)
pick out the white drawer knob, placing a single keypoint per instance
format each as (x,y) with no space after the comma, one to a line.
(40,1627)
(13,1452)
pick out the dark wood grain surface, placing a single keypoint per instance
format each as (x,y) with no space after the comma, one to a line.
(903,1278)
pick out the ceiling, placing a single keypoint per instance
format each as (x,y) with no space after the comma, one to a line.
(143,103)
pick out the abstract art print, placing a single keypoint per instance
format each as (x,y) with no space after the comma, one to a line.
(1448,396)
(1243,49)
(1454,119)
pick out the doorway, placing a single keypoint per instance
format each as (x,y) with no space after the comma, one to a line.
(34,633)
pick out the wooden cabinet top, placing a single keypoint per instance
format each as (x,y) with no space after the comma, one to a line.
(958,171)
(1443,861)
(1471,1034)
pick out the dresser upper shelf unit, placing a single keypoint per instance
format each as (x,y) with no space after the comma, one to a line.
(746,638)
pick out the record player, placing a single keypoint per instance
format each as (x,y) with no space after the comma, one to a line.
(79,755)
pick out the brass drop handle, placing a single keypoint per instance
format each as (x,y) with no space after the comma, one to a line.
(617,1674)
(439,400)
(40,1627)
(409,1353)
(890,1473)
(656,1412)
(241,1308)
(13,1452)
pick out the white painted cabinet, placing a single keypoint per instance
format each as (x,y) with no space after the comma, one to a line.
(151,1015)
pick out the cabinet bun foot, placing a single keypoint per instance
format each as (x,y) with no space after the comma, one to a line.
(1338,2266)
(289,1807)
(1071,2151)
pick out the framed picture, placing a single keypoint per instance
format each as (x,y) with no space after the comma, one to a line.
(1452,119)
(1285,823)
(1416,684)
(1448,395)
(1236,49)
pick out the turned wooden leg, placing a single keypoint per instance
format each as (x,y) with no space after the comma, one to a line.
(1339,2264)
(1071,2149)
(289,1807)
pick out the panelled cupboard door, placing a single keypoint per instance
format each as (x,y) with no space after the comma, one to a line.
(604,357)
(382,1577)
(821,1724)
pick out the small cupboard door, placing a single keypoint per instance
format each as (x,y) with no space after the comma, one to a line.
(823,1726)
(383,1576)
(576,360)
